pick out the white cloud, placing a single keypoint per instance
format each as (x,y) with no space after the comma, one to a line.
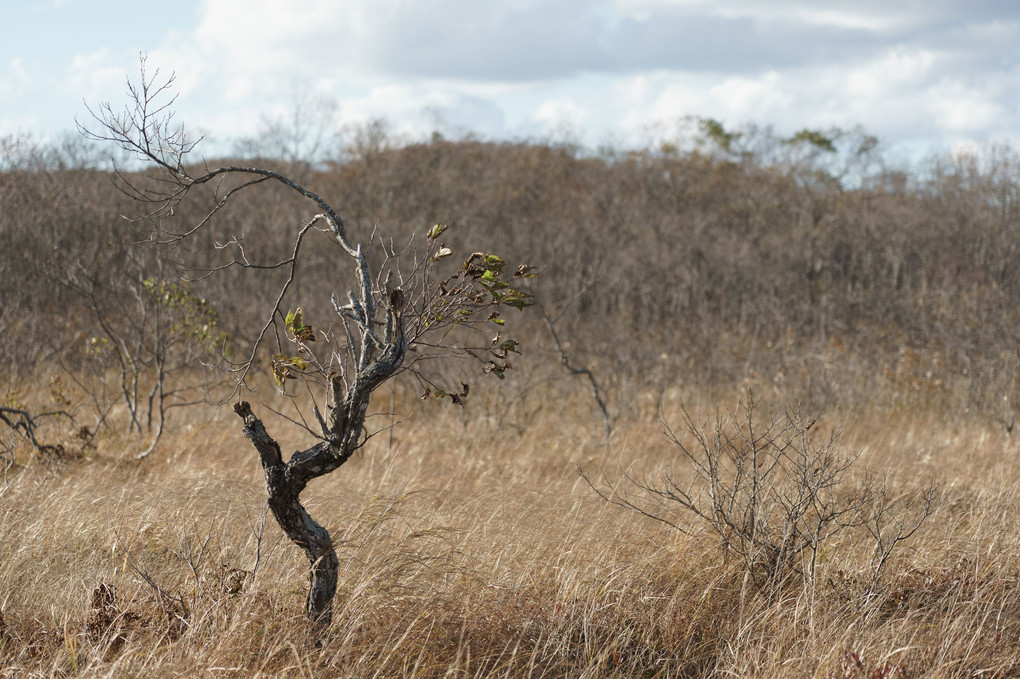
(607,68)
(16,84)
(560,116)
(959,109)
(897,71)
(745,98)
(849,19)
(98,74)
(902,95)
(15,80)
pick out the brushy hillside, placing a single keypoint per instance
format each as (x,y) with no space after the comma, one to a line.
(846,278)
(489,540)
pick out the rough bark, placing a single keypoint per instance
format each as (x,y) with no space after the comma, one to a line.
(284,483)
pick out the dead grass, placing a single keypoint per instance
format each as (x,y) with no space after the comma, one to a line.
(471,550)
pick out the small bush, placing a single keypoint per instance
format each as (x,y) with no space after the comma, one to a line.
(771,490)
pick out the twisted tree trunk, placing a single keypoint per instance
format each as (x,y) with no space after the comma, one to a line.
(341,432)
(285,483)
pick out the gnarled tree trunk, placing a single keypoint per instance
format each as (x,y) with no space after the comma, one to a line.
(285,483)
(341,432)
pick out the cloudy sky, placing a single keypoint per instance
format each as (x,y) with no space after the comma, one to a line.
(920,74)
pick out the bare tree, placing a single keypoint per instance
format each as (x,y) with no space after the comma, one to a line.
(306,134)
(399,312)
(770,491)
(596,389)
(152,333)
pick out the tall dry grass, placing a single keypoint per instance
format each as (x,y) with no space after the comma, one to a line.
(471,550)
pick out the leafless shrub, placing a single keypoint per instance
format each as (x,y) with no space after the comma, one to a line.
(26,425)
(597,391)
(154,335)
(770,490)
(174,608)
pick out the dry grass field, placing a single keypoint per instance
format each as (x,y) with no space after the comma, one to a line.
(468,550)
(490,540)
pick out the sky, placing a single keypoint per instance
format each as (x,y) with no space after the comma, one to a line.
(922,75)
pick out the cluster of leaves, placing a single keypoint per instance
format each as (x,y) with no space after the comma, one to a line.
(95,346)
(181,316)
(286,367)
(486,269)
(193,317)
(455,398)
(296,326)
(479,285)
(473,295)
(815,138)
(470,297)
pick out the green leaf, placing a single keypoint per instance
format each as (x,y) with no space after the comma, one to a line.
(814,138)
(518,300)
(509,345)
(297,327)
(436,231)
(282,365)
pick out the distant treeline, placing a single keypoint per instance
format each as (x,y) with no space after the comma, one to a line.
(800,264)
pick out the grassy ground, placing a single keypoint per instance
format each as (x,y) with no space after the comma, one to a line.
(468,550)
